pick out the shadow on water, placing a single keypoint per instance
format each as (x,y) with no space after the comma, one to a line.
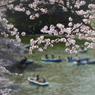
(67,78)
(16,68)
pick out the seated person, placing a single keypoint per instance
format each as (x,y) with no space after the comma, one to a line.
(58,57)
(46,56)
(78,61)
(68,58)
(87,59)
(43,80)
(82,47)
(23,60)
(52,56)
(77,57)
(37,78)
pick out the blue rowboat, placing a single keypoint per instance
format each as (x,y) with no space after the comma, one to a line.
(28,46)
(72,60)
(28,62)
(85,62)
(82,51)
(33,81)
(52,60)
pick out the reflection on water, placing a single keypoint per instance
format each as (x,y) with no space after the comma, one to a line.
(67,78)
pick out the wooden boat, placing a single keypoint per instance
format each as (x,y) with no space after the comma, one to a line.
(82,51)
(85,62)
(52,60)
(33,81)
(28,62)
(72,60)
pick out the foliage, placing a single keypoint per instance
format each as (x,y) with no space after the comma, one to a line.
(78,17)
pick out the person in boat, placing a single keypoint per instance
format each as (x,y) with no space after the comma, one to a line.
(86,59)
(82,47)
(46,56)
(78,59)
(37,78)
(52,56)
(44,80)
(69,58)
(58,57)
(23,60)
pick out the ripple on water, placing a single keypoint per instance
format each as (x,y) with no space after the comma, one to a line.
(68,79)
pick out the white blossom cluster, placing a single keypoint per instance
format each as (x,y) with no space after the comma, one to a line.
(79,3)
(82,30)
(11,30)
(4,70)
(5,82)
(5,91)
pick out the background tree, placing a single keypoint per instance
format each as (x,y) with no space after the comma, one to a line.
(78,13)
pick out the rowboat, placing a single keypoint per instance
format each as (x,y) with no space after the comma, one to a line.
(82,59)
(27,46)
(28,62)
(52,60)
(33,81)
(85,62)
(82,51)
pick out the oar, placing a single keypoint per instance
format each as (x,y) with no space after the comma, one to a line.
(26,81)
(49,79)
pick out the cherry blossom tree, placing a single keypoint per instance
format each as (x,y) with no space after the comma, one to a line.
(82,28)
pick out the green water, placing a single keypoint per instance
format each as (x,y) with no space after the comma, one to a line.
(67,78)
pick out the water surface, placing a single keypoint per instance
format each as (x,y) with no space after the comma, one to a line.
(67,78)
